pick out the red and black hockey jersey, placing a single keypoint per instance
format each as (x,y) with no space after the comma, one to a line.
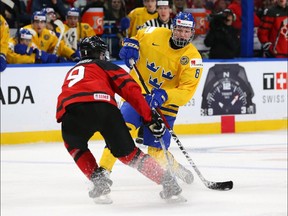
(274,29)
(98,81)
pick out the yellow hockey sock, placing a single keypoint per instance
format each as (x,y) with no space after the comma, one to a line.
(159,156)
(180,171)
(107,160)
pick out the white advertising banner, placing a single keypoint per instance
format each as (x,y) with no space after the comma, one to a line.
(29,97)
(249,90)
(268,81)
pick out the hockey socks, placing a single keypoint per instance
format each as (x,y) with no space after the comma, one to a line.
(145,164)
(84,160)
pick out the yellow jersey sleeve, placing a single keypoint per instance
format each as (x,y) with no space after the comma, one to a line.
(4,35)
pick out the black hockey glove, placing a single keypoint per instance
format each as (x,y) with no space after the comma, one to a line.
(156,125)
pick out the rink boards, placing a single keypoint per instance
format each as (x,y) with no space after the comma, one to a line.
(29,94)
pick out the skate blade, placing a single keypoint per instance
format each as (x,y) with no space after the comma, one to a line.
(176,199)
(104,199)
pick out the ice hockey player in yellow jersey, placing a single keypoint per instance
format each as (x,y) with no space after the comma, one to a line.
(140,15)
(47,41)
(75,30)
(21,49)
(171,68)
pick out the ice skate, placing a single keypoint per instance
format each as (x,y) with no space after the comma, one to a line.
(184,174)
(170,187)
(101,182)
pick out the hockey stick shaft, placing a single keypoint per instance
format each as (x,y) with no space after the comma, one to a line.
(212,185)
(60,24)
(167,157)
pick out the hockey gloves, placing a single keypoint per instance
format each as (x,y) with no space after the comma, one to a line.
(266,50)
(156,98)
(75,57)
(124,23)
(52,58)
(130,50)
(3,63)
(23,49)
(45,57)
(156,125)
(266,46)
(41,55)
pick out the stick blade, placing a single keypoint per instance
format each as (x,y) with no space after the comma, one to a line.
(60,24)
(223,186)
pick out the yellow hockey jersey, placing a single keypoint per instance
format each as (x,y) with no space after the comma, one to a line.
(47,41)
(15,58)
(4,35)
(177,71)
(72,36)
(138,17)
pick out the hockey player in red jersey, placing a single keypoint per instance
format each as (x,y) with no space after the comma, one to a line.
(87,105)
(273,31)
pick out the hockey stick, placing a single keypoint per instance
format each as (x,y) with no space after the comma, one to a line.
(60,24)
(227,185)
(9,3)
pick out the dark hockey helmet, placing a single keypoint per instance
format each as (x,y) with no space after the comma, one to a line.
(93,48)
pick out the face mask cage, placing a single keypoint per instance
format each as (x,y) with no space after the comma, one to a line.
(181,42)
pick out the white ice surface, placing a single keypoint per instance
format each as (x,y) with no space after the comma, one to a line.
(41,179)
